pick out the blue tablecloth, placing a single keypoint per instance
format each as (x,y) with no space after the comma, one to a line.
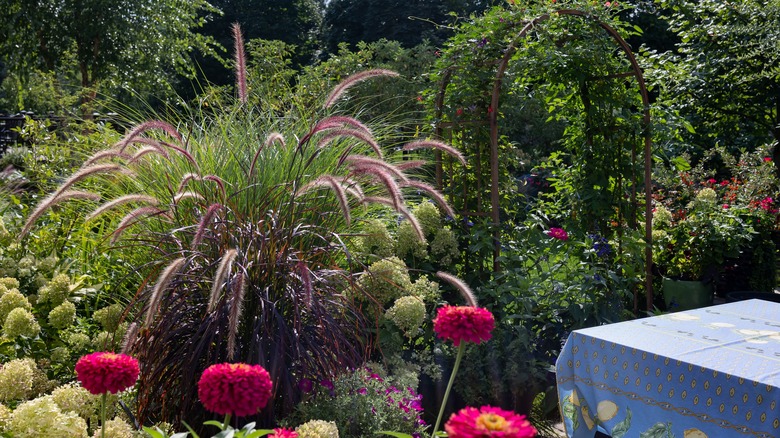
(711,372)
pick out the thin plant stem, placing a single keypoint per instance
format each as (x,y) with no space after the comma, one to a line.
(103,399)
(227,421)
(458,358)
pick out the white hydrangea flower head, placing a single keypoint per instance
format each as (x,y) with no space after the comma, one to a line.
(318,429)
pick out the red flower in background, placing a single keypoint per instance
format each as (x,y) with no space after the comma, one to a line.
(103,372)
(488,421)
(283,433)
(558,233)
(234,388)
(464,324)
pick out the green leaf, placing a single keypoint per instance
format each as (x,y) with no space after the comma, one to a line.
(621,428)
(395,434)
(227,433)
(260,432)
(154,433)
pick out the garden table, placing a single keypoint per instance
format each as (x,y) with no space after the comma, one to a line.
(710,372)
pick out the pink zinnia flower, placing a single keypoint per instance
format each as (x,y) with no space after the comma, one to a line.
(558,233)
(283,433)
(234,388)
(767,159)
(464,323)
(488,421)
(103,372)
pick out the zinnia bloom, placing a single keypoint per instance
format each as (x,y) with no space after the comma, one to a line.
(234,388)
(464,323)
(488,421)
(103,372)
(558,233)
(283,433)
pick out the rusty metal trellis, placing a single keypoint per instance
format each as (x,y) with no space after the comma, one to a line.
(493,122)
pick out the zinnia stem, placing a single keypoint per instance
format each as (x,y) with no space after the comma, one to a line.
(103,414)
(227,421)
(461,349)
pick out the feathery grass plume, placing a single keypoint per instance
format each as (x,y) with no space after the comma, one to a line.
(272,138)
(359,161)
(130,337)
(330,182)
(354,133)
(354,79)
(146,126)
(159,145)
(433,193)
(411,164)
(433,144)
(162,283)
(413,221)
(186,179)
(386,178)
(203,225)
(353,188)
(464,290)
(104,155)
(146,199)
(52,200)
(143,151)
(236,307)
(85,172)
(333,122)
(186,154)
(222,272)
(240,60)
(218,181)
(133,217)
(187,195)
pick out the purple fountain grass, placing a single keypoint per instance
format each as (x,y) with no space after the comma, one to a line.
(330,182)
(146,126)
(308,287)
(272,138)
(52,200)
(129,339)
(433,193)
(104,155)
(359,162)
(219,277)
(162,283)
(240,61)
(411,164)
(234,317)
(146,141)
(144,151)
(133,217)
(434,144)
(204,223)
(464,290)
(218,181)
(146,199)
(386,178)
(403,211)
(354,79)
(334,134)
(187,195)
(334,122)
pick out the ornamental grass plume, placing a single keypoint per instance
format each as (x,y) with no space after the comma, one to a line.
(234,389)
(488,421)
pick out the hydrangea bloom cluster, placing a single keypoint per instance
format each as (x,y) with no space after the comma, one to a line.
(662,217)
(558,233)
(63,315)
(109,317)
(428,216)
(74,398)
(21,322)
(117,428)
(464,324)
(234,388)
(16,379)
(429,291)
(375,239)
(444,247)
(43,418)
(11,300)
(56,291)
(488,421)
(408,243)
(707,195)
(317,429)
(408,313)
(386,280)
(104,372)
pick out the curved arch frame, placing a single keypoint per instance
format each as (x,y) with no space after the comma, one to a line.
(493,120)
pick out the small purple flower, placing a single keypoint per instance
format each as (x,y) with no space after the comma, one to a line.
(306,385)
(363,391)
(328,384)
(482,43)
